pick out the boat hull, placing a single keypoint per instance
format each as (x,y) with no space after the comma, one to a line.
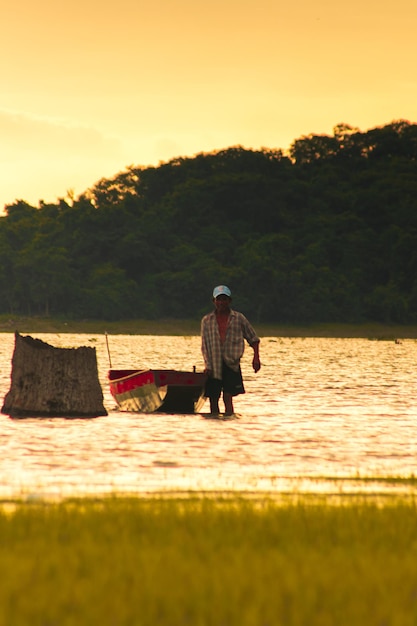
(164,391)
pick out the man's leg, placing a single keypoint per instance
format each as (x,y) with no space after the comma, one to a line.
(214,406)
(228,403)
(232,386)
(213,391)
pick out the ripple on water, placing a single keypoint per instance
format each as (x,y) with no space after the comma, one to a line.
(319,411)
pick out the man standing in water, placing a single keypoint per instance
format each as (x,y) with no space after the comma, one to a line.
(222,343)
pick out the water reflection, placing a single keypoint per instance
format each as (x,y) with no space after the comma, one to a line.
(318,409)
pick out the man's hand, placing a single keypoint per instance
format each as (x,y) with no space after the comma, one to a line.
(256,364)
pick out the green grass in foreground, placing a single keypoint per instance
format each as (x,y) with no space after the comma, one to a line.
(161,562)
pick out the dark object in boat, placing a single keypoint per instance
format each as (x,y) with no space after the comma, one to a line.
(53,382)
(164,391)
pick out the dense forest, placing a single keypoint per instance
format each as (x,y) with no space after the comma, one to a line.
(326,232)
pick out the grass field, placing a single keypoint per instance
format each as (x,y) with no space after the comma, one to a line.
(208,562)
(192,327)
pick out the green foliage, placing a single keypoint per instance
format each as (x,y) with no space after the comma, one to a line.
(326,234)
(209,562)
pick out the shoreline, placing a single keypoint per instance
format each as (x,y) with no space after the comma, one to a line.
(27,325)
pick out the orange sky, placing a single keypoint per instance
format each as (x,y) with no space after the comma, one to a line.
(90,87)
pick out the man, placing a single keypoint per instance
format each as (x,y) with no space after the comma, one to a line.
(222,343)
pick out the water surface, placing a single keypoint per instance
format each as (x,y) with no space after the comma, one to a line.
(320,414)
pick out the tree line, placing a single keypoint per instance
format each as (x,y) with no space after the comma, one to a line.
(326,232)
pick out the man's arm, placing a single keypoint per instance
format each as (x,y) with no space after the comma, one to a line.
(256,363)
(253,340)
(204,349)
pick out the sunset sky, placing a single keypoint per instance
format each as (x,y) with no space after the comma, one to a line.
(89,87)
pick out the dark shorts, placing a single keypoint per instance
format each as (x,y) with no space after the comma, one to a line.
(231,382)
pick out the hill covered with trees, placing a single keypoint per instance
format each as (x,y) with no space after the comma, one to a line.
(325,233)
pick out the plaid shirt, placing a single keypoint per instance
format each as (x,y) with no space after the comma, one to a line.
(231,351)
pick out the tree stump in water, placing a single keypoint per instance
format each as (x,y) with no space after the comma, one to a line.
(53,382)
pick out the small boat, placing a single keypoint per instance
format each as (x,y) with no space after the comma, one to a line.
(165,391)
